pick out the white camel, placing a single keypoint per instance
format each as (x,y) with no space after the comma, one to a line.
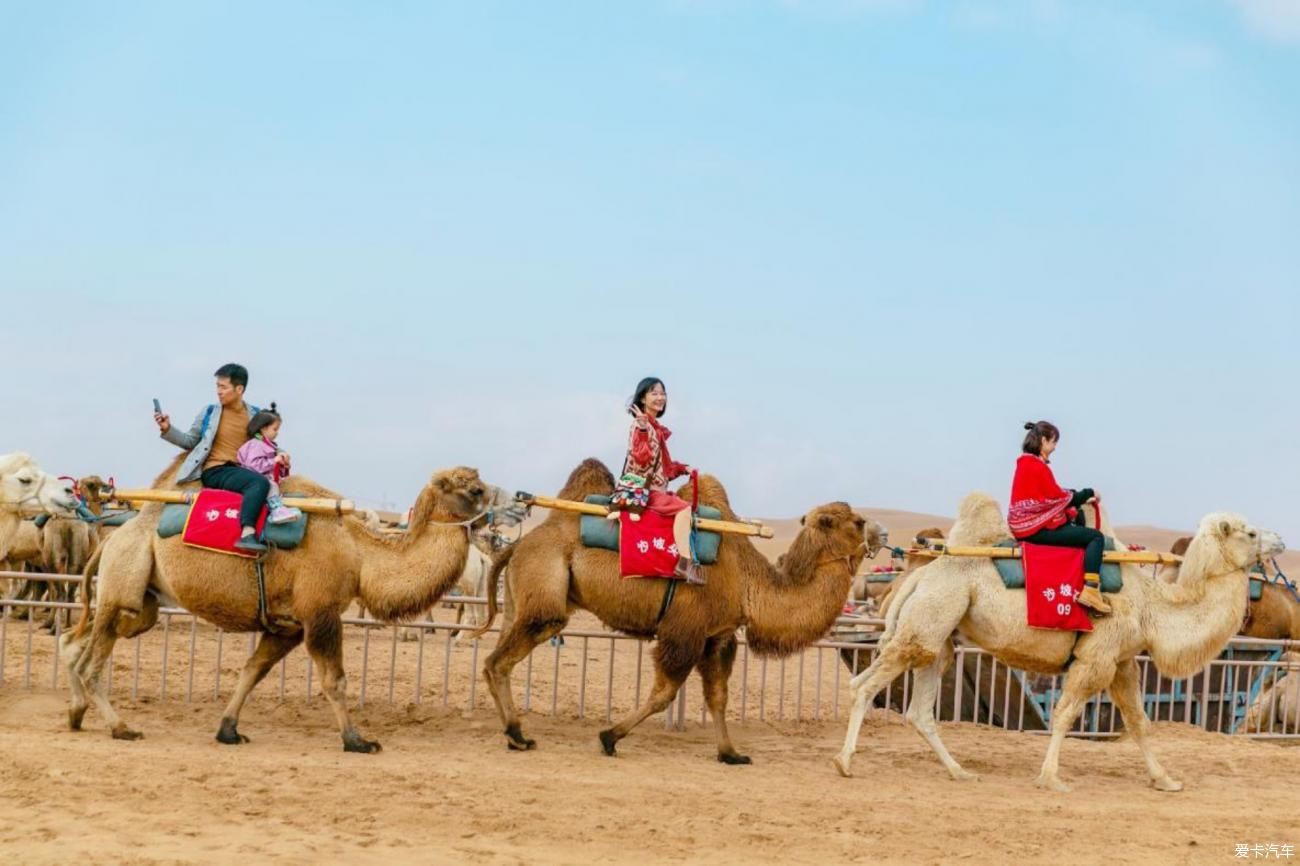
(1181,626)
(23,486)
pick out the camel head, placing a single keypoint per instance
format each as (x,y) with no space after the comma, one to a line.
(23,483)
(1226,543)
(932,533)
(95,489)
(979,521)
(830,533)
(453,495)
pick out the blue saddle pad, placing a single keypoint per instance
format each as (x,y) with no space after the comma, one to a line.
(285,536)
(1012,571)
(603,533)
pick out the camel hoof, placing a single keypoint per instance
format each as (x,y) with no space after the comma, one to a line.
(75,716)
(842,764)
(516,740)
(733,759)
(608,741)
(365,747)
(1166,784)
(228,734)
(961,774)
(1052,783)
(122,732)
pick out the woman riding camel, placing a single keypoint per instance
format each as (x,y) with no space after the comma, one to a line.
(649,465)
(1042,512)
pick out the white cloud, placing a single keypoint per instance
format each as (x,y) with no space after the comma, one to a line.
(1273,19)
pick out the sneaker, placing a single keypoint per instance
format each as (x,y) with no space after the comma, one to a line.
(283,514)
(250,543)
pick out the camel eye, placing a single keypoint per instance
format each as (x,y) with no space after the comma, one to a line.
(1251,534)
(24,481)
(477,491)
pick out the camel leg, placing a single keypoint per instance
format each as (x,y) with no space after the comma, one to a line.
(270,649)
(109,625)
(1083,681)
(672,667)
(516,642)
(1126,692)
(866,685)
(920,712)
(324,638)
(715,671)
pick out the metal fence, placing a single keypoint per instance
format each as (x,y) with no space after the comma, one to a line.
(593,672)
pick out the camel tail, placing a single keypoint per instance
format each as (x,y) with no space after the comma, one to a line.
(896,605)
(499,563)
(91,569)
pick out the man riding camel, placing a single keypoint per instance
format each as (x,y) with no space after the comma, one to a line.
(214,440)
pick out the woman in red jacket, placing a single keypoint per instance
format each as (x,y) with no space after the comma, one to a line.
(1042,512)
(649,464)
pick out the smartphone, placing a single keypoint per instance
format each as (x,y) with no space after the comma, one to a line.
(157,407)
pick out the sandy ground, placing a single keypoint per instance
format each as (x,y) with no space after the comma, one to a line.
(445,790)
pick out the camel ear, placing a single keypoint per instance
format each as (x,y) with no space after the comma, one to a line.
(803,520)
(826,521)
(443,483)
(1225,528)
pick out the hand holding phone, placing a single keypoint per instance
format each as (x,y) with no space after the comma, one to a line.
(164,423)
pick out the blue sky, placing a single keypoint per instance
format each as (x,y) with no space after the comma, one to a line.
(862,240)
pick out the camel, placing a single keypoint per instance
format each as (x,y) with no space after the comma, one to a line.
(23,485)
(1277,709)
(66,545)
(1181,626)
(783,610)
(340,560)
(1275,616)
(910,564)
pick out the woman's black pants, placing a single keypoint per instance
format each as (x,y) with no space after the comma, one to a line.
(1092,542)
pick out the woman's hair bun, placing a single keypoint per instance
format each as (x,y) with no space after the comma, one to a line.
(1029,425)
(273,406)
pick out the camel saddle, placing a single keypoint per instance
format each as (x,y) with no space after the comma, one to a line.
(1012,571)
(600,532)
(284,536)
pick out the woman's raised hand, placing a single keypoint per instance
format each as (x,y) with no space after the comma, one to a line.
(641,420)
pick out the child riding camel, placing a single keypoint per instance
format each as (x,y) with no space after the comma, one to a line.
(1042,512)
(649,467)
(260,454)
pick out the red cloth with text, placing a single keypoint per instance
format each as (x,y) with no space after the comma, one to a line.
(646,547)
(1053,580)
(213,523)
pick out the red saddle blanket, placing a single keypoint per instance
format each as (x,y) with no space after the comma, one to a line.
(646,547)
(213,522)
(1053,580)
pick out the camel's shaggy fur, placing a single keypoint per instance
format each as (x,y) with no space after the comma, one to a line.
(1181,626)
(783,610)
(339,561)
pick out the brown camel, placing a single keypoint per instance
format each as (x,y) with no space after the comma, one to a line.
(783,610)
(339,561)
(1275,616)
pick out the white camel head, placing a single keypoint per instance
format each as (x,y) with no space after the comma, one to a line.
(23,484)
(1227,543)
